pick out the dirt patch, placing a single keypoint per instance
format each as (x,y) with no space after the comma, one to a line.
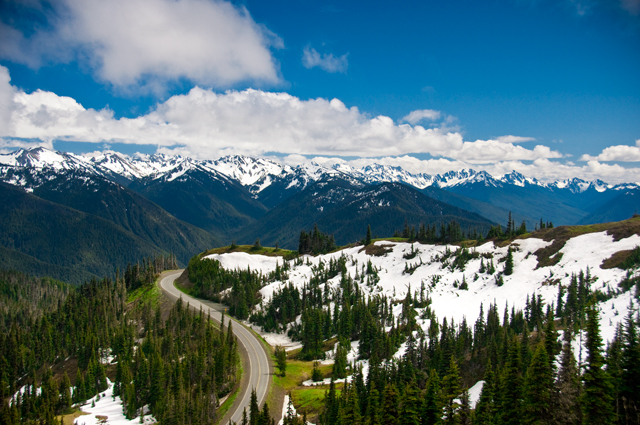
(551,255)
(616,259)
(68,419)
(377,250)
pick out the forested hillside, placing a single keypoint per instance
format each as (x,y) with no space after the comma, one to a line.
(174,366)
(48,238)
(488,334)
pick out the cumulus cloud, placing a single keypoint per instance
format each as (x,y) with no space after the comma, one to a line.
(620,153)
(326,61)
(415,117)
(7,91)
(514,139)
(206,124)
(486,151)
(151,42)
(543,169)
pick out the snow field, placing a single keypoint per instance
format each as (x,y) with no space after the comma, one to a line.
(108,407)
(578,254)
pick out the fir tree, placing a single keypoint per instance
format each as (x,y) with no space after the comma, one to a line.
(567,410)
(281,360)
(390,405)
(410,406)
(485,413)
(432,407)
(596,398)
(538,389)
(511,386)
(367,240)
(450,393)
(508,265)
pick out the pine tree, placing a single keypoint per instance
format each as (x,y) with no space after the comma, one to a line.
(350,412)
(254,409)
(65,393)
(630,388)
(367,240)
(330,414)
(511,386)
(390,405)
(450,393)
(485,413)
(508,265)
(281,360)
(567,409)
(340,362)
(596,398)
(432,407)
(373,406)
(410,406)
(538,389)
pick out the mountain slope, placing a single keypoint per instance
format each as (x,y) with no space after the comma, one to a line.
(210,201)
(621,207)
(126,209)
(62,238)
(345,208)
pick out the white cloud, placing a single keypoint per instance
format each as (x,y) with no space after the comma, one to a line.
(487,151)
(151,42)
(514,139)
(415,117)
(206,124)
(327,61)
(542,169)
(620,153)
(7,91)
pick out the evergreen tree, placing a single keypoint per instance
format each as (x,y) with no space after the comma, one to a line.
(567,409)
(596,398)
(511,386)
(281,360)
(538,389)
(410,406)
(508,265)
(373,407)
(432,407)
(450,393)
(367,240)
(485,413)
(630,385)
(350,412)
(390,405)
(340,362)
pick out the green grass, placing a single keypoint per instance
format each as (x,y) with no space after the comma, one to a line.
(310,400)
(299,371)
(249,249)
(227,405)
(145,294)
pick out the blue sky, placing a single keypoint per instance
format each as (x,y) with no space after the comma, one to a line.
(549,88)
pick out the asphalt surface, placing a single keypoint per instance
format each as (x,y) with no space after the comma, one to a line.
(258,367)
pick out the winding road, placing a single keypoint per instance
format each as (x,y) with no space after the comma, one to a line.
(258,368)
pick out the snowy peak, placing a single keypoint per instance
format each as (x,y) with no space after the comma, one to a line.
(517,179)
(43,158)
(247,170)
(257,174)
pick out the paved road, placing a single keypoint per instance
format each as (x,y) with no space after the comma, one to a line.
(258,368)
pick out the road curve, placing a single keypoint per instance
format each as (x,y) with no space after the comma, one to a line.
(258,367)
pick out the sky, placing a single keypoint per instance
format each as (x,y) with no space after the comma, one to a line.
(547,88)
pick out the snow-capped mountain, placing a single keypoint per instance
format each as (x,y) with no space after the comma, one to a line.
(270,183)
(258,173)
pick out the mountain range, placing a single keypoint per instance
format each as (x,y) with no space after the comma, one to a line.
(183,205)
